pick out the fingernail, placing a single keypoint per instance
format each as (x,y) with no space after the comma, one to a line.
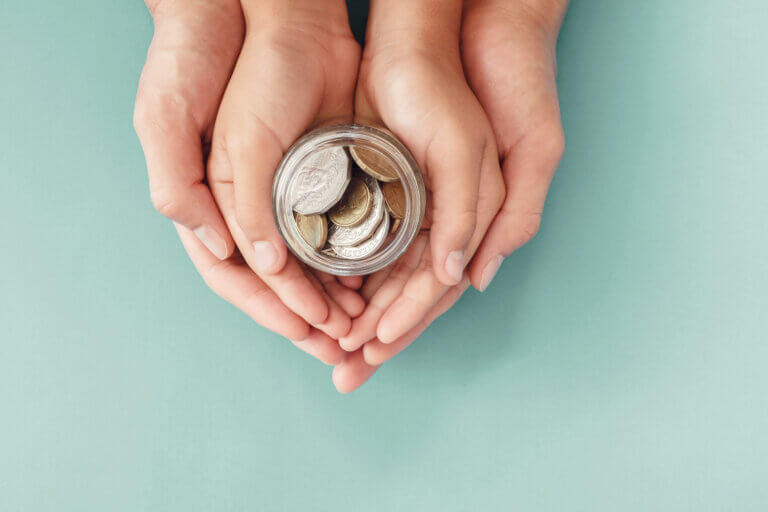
(265,256)
(454,265)
(490,271)
(212,241)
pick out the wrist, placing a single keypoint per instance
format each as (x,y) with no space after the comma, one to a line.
(322,17)
(414,23)
(546,15)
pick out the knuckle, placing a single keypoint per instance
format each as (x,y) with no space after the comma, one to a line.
(160,111)
(465,221)
(530,227)
(140,115)
(167,202)
(526,228)
(248,220)
(152,6)
(456,224)
(551,143)
(348,49)
(215,276)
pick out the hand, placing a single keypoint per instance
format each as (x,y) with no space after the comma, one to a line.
(508,50)
(411,80)
(296,70)
(188,68)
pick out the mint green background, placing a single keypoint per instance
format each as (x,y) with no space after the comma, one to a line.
(617,363)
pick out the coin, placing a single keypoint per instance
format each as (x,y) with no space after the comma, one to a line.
(348,236)
(373,163)
(321,181)
(354,205)
(395,224)
(313,229)
(394,196)
(367,247)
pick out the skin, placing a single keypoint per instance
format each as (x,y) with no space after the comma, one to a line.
(229,85)
(508,52)
(226,78)
(411,80)
(508,55)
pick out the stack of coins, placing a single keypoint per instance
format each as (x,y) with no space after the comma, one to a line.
(346,201)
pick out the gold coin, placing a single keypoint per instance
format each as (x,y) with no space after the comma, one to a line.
(374,164)
(395,225)
(353,206)
(394,196)
(313,229)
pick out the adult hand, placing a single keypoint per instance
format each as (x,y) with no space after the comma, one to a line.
(508,50)
(188,65)
(192,56)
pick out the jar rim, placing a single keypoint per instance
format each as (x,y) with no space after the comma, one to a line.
(369,137)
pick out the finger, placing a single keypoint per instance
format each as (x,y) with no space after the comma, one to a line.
(338,322)
(364,326)
(352,282)
(454,182)
(419,295)
(323,347)
(451,158)
(291,285)
(376,352)
(175,164)
(238,285)
(352,372)
(171,117)
(423,289)
(376,280)
(254,149)
(349,300)
(429,106)
(528,170)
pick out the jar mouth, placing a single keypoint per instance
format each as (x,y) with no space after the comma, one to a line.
(365,137)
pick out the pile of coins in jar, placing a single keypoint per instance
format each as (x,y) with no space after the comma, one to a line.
(346,201)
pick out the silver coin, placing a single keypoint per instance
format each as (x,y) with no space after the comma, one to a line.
(321,181)
(367,247)
(348,236)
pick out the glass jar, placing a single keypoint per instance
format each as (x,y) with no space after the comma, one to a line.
(375,141)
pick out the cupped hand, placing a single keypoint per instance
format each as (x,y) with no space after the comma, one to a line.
(261,74)
(508,50)
(193,50)
(296,70)
(411,81)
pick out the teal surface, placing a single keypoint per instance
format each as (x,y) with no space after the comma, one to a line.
(618,363)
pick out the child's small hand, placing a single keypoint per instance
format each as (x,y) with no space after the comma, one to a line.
(296,70)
